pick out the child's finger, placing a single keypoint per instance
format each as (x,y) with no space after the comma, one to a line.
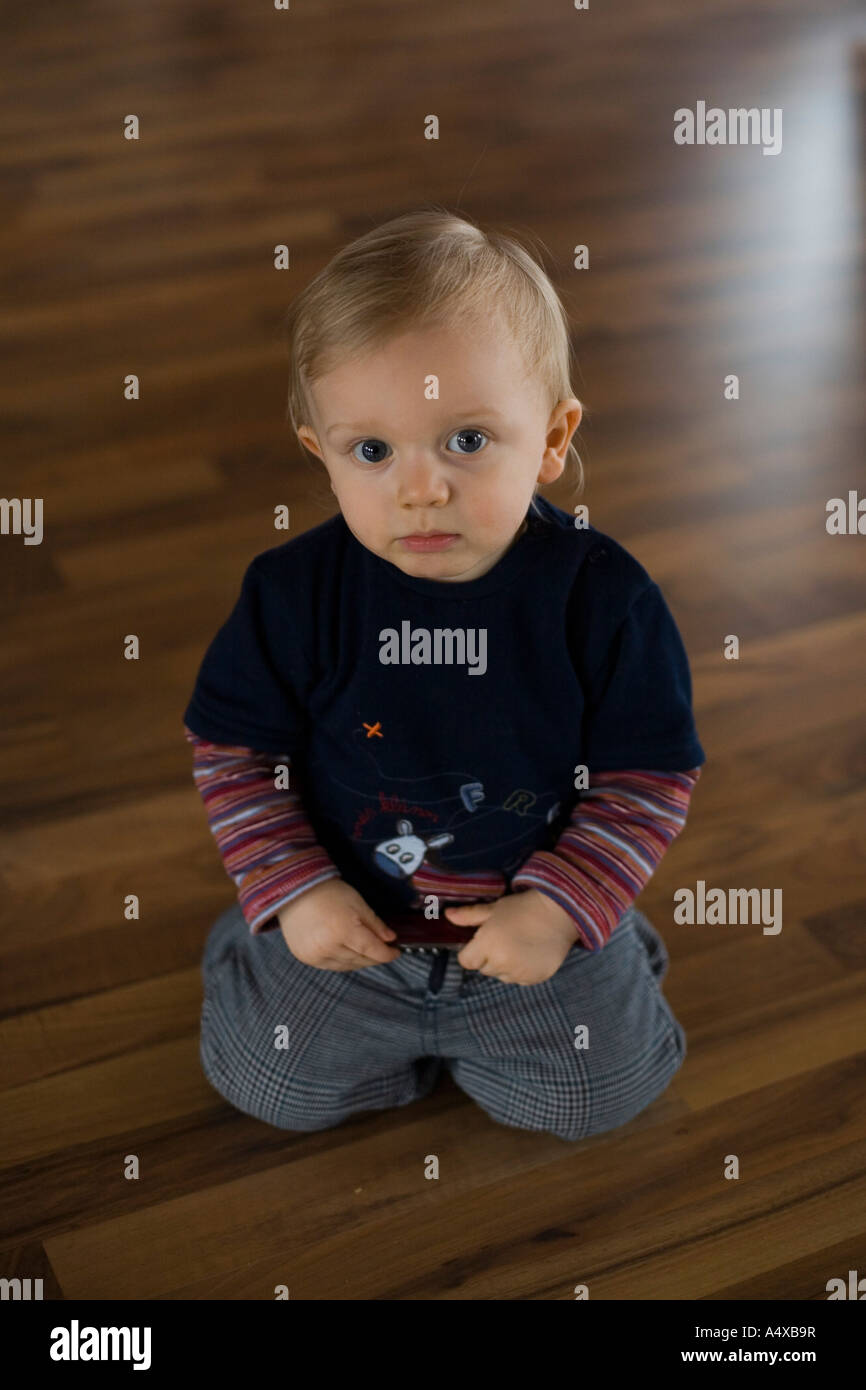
(369,947)
(469,914)
(351,960)
(379,927)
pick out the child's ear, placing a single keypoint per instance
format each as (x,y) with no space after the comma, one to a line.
(309,441)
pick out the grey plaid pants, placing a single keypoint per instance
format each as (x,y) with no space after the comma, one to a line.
(303,1048)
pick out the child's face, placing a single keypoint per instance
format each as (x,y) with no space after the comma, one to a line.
(465,464)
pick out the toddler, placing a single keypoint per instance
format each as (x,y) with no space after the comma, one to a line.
(448,700)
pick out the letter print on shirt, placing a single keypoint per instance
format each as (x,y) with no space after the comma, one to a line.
(456,821)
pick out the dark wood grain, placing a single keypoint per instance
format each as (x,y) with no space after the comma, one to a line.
(155,257)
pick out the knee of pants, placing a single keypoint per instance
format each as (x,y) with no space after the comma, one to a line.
(273,1109)
(255,1089)
(607,1102)
(625,1095)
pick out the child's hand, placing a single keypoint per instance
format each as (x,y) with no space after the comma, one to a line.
(332,928)
(524,938)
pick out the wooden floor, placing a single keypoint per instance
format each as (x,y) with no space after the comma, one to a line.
(155,257)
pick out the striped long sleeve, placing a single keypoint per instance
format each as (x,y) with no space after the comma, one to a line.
(457,888)
(265,840)
(612,845)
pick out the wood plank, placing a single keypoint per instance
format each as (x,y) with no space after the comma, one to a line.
(104,1099)
(307,1224)
(156,257)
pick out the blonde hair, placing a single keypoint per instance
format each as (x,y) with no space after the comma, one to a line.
(427,267)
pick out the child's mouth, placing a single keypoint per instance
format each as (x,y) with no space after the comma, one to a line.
(434,540)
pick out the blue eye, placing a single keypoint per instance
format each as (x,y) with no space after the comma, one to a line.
(468,435)
(370,446)
(376,450)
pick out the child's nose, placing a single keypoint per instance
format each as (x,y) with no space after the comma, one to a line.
(421,480)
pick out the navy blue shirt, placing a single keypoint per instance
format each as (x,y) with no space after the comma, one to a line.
(442,722)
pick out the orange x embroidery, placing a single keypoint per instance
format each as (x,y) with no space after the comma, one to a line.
(374,729)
